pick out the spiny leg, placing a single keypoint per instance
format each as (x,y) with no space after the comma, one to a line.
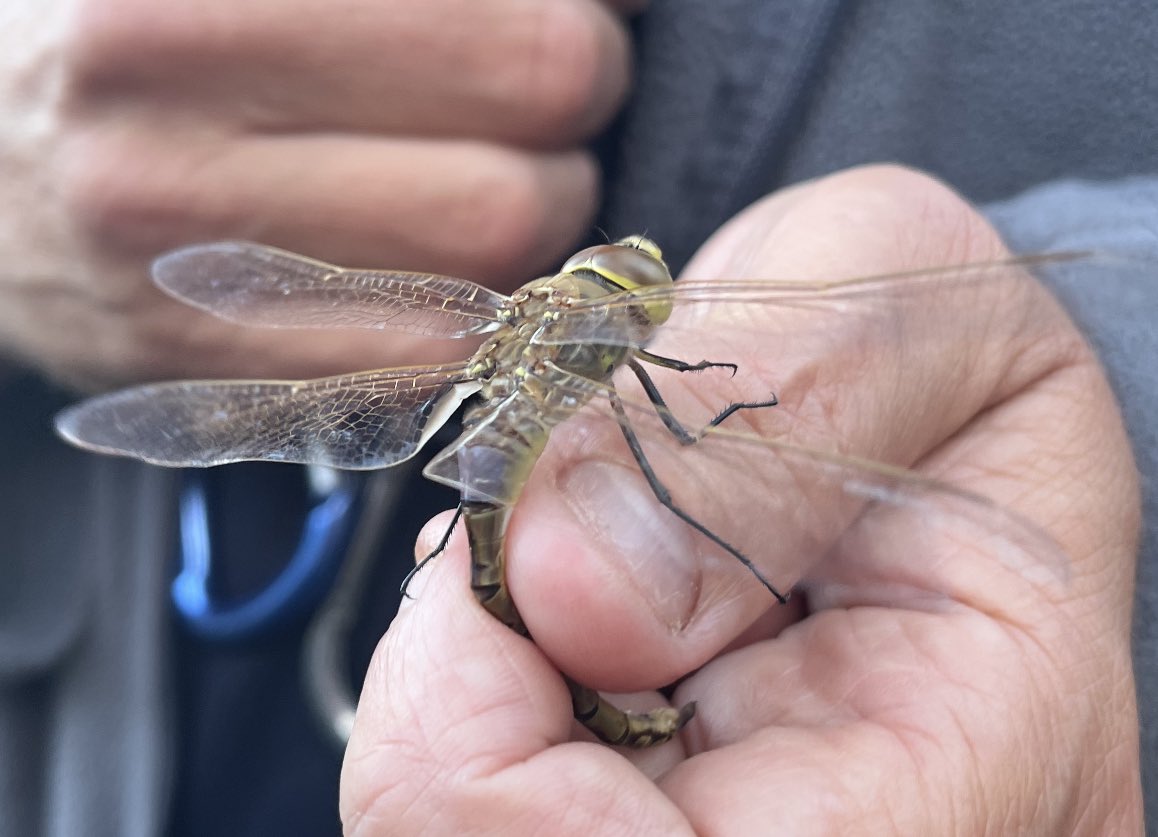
(735,407)
(645,729)
(682,365)
(664,496)
(432,554)
(681,433)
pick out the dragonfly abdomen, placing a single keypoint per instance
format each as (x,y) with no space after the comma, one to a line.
(486,527)
(498,449)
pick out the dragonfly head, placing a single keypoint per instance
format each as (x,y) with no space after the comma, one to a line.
(632,263)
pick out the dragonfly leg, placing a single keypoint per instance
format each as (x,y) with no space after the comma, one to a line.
(486,525)
(681,365)
(612,725)
(665,498)
(736,407)
(681,433)
(433,553)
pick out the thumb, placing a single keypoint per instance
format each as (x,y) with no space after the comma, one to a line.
(624,594)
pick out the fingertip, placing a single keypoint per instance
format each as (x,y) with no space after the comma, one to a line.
(436,530)
(448,685)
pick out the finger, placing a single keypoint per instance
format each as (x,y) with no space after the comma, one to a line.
(895,668)
(522,71)
(615,556)
(456,726)
(652,762)
(462,208)
(458,208)
(852,777)
(887,713)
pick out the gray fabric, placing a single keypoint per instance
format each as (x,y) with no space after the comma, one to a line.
(85,737)
(45,593)
(995,98)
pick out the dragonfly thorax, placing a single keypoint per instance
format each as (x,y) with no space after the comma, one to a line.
(514,354)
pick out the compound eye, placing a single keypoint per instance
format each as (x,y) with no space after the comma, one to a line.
(624,265)
(581,259)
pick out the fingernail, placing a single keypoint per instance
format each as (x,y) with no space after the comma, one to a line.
(641,541)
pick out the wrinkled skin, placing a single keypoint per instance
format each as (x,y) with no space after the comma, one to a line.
(1008,710)
(363,132)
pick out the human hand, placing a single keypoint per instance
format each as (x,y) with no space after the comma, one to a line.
(418,134)
(916,687)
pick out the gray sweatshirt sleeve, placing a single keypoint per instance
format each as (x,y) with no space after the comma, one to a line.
(1119,312)
(1117,306)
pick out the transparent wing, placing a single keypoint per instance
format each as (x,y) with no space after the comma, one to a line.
(367,420)
(816,512)
(252,284)
(617,319)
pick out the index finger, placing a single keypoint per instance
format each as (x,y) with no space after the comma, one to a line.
(541,73)
(461,727)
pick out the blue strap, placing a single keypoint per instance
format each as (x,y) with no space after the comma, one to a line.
(292,595)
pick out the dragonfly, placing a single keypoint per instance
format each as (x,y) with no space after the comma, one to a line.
(562,352)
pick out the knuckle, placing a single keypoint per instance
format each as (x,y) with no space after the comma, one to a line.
(500,214)
(115,49)
(573,69)
(921,216)
(95,183)
(896,189)
(103,39)
(118,191)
